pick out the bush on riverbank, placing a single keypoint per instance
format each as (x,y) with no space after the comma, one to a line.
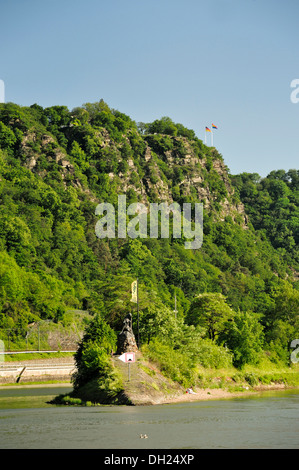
(206,365)
(261,375)
(108,390)
(181,364)
(93,357)
(200,363)
(96,380)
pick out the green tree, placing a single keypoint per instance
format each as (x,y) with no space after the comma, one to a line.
(158,320)
(286,300)
(7,137)
(211,312)
(79,156)
(244,337)
(17,233)
(57,116)
(163,126)
(92,357)
(279,338)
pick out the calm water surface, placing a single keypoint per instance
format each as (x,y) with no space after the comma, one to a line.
(269,420)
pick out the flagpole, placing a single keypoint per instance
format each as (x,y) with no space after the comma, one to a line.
(205,136)
(213,127)
(211,138)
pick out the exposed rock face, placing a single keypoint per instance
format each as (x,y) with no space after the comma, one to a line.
(168,170)
(126,340)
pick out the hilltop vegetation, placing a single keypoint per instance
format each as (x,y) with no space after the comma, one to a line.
(237,296)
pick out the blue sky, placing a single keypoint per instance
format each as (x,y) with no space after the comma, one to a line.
(229,62)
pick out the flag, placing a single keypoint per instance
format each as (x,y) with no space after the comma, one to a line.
(214,127)
(208,130)
(134,291)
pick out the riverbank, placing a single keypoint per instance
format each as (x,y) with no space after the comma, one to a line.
(144,384)
(217,394)
(199,395)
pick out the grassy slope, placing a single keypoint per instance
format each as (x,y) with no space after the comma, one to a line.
(146,384)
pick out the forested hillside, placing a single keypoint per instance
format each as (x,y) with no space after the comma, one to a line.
(273,206)
(237,296)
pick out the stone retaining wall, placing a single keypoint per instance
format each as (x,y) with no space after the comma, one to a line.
(17,374)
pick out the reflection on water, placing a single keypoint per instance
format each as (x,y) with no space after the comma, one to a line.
(29,396)
(269,420)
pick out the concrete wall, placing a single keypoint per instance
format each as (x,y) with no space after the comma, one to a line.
(13,374)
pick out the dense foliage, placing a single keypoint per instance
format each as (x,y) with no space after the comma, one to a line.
(273,206)
(56,165)
(92,357)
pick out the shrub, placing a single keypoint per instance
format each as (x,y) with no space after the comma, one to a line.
(244,336)
(93,355)
(252,379)
(68,400)
(176,365)
(208,354)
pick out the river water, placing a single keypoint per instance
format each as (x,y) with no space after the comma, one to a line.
(268,420)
